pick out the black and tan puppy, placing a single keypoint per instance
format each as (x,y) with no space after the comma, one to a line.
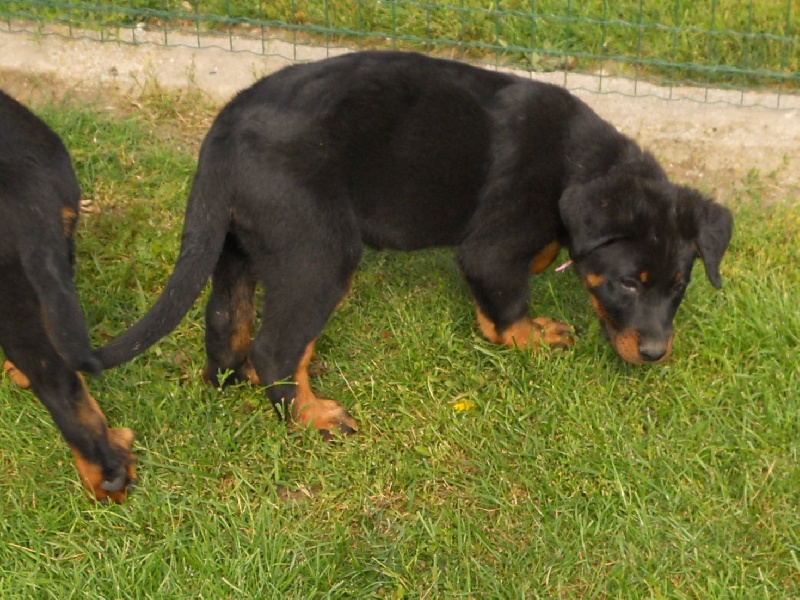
(42,328)
(402,151)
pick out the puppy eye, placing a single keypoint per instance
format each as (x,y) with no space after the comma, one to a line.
(629,285)
(679,288)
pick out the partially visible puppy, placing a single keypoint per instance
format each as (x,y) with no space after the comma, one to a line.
(42,328)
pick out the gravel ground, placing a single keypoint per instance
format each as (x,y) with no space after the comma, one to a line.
(704,137)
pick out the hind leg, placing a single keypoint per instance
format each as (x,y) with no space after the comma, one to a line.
(102,455)
(300,294)
(229,318)
(283,360)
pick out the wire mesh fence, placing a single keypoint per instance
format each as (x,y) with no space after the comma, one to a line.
(733,45)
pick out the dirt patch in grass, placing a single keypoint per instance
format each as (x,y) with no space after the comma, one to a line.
(704,139)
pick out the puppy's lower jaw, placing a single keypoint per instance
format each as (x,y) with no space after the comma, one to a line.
(629,346)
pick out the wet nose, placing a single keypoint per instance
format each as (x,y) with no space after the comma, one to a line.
(652,351)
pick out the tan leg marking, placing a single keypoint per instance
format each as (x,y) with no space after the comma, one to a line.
(17,376)
(243,313)
(552,333)
(250,371)
(68,220)
(323,414)
(527,332)
(545,257)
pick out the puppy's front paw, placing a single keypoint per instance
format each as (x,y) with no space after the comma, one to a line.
(17,376)
(114,485)
(552,333)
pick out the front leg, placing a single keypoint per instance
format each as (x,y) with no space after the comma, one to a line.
(499,286)
(103,456)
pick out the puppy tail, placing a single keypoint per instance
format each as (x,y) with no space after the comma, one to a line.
(207,219)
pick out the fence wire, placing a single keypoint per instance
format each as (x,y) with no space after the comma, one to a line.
(730,45)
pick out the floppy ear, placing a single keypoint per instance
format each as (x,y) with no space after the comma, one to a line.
(713,225)
(586,211)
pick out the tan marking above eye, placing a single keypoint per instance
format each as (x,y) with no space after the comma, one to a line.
(644,276)
(594,280)
(678,276)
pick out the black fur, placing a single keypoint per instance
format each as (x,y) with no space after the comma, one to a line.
(42,327)
(398,150)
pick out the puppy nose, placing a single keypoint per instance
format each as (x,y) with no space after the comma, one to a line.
(652,352)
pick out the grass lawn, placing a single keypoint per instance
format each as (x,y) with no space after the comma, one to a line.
(478,471)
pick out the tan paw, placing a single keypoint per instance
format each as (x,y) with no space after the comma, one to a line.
(326,416)
(17,376)
(552,333)
(117,488)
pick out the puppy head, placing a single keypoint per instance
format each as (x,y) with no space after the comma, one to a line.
(633,241)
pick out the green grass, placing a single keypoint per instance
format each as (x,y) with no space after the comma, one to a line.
(573,475)
(736,44)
